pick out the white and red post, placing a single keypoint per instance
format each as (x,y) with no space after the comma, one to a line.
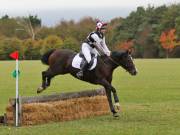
(15,56)
(17,92)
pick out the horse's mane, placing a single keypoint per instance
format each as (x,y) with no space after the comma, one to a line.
(114,54)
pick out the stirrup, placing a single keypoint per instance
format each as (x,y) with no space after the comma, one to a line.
(79,74)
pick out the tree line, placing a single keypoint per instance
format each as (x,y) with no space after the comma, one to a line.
(152,32)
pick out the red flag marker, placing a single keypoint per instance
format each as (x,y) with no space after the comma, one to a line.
(14,55)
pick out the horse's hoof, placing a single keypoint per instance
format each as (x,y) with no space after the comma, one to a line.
(117,107)
(115,115)
(40,89)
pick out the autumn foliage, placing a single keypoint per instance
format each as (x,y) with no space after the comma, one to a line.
(126,45)
(167,39)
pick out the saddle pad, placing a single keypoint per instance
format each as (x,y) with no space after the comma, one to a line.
(77,62)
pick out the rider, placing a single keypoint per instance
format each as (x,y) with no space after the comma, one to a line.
(94,45)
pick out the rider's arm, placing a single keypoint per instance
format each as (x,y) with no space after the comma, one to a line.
(98,44)
(107,51)
(96,52)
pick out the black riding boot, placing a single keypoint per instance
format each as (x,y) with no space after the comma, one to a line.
(84,67)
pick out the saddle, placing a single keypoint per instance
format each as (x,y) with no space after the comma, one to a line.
(79,59)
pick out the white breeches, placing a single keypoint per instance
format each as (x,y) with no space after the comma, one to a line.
(87,50)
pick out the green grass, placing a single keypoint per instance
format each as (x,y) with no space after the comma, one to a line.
(150,101)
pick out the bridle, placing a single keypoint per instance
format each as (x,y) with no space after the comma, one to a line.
(116,63)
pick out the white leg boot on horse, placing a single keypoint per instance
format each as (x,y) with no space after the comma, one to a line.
(117,107)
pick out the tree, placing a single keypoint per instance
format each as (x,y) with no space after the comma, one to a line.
(83,28)
(8,26)
(126,45)
(31,49)
(177,27)
(51,42)
(5,17)
(111,32)
(9,45)
(30,24)
(167,40)
(65,29)
(169,16)
(78,30)
(71,43)
(45,32)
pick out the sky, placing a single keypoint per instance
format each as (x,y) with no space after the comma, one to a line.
(52,11)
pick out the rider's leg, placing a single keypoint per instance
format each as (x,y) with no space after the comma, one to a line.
(86,52)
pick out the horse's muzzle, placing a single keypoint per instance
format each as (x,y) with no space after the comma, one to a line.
(134,72)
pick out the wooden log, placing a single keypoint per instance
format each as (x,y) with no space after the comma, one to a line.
(5,119)
(57,97)
(14,112)
(19,111)
(1,119)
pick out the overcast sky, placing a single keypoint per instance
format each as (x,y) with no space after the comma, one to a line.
(52,11)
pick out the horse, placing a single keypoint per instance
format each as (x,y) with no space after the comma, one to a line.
(60,62)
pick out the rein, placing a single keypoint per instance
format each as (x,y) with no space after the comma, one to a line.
(113,61)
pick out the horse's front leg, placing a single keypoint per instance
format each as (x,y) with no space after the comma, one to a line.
(116,99)
(108,94)
(108,89)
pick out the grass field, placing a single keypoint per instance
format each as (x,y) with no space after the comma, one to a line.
(150,101)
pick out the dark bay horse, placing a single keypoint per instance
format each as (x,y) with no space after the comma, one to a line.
(60,62)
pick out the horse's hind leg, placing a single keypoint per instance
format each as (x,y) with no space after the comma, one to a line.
(49,75)
(46,79)
(43,86)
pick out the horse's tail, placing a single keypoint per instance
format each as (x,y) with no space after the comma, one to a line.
(45,57)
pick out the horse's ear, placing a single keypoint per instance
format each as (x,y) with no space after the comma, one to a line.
(129,51)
